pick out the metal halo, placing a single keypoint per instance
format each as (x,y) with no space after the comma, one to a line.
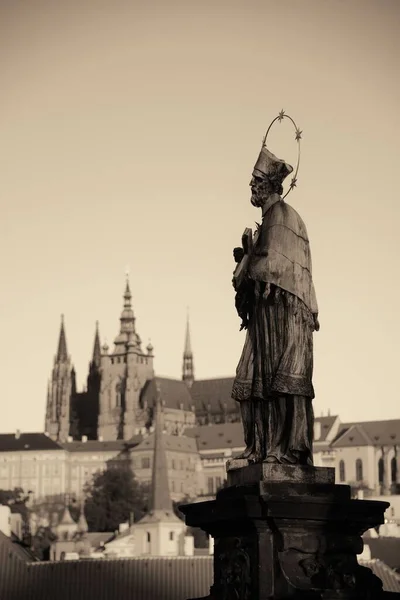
(280,118)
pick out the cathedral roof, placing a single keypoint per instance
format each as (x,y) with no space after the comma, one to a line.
(174,392)
(217,437)
(10,442)
(213,392)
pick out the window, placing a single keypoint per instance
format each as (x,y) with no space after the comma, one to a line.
(359,469)
(218,483)
(145,462)
(171,536)
(173,465)
(118,395)
(148,538)
(172,486)
(342,471)
(210,485)
(393,468)
(381,468)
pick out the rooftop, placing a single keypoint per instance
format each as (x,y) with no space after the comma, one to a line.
(10,442)
(177,443)
(369,433)
(101,446)
(217,437)
(214,395)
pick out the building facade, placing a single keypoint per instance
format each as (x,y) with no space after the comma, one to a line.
(119,399)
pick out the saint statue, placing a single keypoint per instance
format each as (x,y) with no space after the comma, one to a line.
(276,301)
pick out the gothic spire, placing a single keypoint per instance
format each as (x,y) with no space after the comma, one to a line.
(188,366)
(96,358)
(62,354)
(127,332)
(160,496)
(188,347)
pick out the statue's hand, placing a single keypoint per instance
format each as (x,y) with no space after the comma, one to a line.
(316,323)
(238,254)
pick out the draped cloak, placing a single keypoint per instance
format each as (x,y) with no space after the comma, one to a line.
(277,357)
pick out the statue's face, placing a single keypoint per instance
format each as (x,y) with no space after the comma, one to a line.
(260,190)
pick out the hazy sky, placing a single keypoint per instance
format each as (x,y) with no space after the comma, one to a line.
(128,133)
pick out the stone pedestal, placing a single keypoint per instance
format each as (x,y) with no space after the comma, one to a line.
(286,532)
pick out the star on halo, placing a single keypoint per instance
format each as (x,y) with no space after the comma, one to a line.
(281,115)
(298,134)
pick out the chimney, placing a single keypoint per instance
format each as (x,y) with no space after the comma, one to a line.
(84,439)
(17,434)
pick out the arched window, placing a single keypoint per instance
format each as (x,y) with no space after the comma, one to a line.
(148,538)
(393,468)
(118,394)
(381,467)
(359,470)
(342,471)
(171,536)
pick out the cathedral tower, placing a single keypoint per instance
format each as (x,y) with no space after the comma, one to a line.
(188,366)
(124,373)
(59,392)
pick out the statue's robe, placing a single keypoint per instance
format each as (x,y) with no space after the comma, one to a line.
(277,360)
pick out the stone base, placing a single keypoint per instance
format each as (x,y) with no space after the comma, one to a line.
(281,540)
(242,474)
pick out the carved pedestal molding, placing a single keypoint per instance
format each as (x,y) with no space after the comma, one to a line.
(293,538)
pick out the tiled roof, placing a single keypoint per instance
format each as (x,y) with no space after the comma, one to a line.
(390,579)
(216,437)
(176,443)
(378,433)
(353,436)
(97,446)
(214,392)
(160,516)
(9,442)
(96,538)
(12,546)
(326,425)
(174,393)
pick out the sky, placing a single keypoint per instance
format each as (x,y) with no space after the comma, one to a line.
(128,134)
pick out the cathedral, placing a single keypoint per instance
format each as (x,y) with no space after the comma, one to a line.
(119,400)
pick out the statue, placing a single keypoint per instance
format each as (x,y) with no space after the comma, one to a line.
(276,301)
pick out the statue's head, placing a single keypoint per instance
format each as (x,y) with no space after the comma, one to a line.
(268,175)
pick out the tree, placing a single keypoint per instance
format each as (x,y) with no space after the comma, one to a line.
(112,497)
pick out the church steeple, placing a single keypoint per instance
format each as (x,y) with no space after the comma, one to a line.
(96,358)
(127,334)
(160,496)
(61,387)
(62,354)
(188,366)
